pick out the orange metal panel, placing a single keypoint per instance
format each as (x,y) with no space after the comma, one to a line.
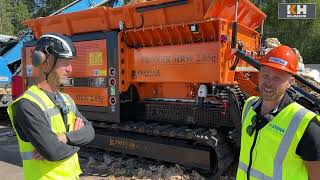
(170,61)
(247,84)
(88,96)
(248,14)
(91,60)
(178,63)
(167,90)
(72,23)
(104,18)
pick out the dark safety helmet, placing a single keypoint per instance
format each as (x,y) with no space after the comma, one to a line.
(56,44)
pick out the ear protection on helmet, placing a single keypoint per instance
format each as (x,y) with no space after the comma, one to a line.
(37,58)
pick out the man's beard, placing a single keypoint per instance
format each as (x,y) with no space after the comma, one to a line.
(268,95)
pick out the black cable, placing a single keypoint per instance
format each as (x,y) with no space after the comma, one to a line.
(251,151)
(49,49)
(234,65)
(64,110)
(54,64)
(259,122)
(142,22)
(236,61)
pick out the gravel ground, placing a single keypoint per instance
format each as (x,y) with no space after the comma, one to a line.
(101,165)
(114,166)
(111,166)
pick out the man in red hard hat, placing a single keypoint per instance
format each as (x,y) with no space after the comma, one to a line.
(280,138)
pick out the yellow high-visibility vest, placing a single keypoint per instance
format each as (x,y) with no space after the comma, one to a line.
(274,155)
(66,169)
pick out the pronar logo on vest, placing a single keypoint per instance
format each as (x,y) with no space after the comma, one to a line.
(277,128)
(278,61)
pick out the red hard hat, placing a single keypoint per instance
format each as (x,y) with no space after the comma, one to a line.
(283,58)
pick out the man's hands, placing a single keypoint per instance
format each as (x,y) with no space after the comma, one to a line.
(78,124)
(36,155)
(62,138)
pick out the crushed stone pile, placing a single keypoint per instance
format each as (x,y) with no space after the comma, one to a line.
(111,166)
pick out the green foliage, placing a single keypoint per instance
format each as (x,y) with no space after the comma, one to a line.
(47,7)
(14,12)
(21,13)
(6,17)
(301,34)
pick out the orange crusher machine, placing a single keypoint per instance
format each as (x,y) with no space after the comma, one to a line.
(157,79)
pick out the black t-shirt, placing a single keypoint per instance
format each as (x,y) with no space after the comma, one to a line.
(309,146)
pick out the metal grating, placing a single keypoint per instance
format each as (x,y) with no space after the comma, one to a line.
(184,113)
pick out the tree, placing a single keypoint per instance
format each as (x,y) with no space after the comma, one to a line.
(6,27)
(12,14)
(47,7)
(20,13)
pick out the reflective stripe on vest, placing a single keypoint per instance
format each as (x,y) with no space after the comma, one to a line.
(253,172)
(72,106)
(286,141)
(40,101)
(52,111)
(247,108)
(26,155)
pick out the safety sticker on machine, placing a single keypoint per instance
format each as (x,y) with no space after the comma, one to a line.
(3,78)
(113,108)
(113,91)
(29,70)
(98,72)
(95,58)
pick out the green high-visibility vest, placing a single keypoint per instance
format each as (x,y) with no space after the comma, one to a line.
(33,169)
(274,155)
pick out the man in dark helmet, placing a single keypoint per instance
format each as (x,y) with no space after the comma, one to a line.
(49,126)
